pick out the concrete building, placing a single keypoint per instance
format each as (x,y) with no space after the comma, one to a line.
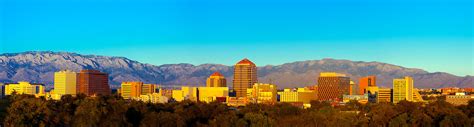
(131,90)
(65,82)
(93,82)
(149,89)
(459,99)
(153,98)
(245,76)
(332,86)
(262,93)
(366,82)
(216,80)
(25,88)
(210,94)
(359,98)
(402,89)
(384,95)
(301,95)
(186,93)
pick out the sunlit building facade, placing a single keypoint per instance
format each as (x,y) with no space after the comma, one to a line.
(366,82)
(332,86)
(216,80)
(93,82)
(149,89)
(210,94)
(186,93)
(25,88)
(245,76)
(384,95)
(262,93)
(131,90)
(303,95)
(65,82)
(402,89)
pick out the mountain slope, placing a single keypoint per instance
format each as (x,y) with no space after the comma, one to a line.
(40,66)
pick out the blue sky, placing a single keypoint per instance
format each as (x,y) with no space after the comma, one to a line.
(435,35)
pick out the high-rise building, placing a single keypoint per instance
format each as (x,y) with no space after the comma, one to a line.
(245,76)
(332,86)
(366,82)
(216,80)
(351,88)
(402,89)
(149,89)
(92,82)
(262,93)
(24,88)
(131,90)
(65,82)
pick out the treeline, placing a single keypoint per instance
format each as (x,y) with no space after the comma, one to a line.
(25,110)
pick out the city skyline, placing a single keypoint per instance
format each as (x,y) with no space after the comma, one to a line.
(396,32)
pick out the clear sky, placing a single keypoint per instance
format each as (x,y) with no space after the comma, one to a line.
(435,35)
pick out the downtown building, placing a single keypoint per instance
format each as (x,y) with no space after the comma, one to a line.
(365,83)
(65,82)
(403,89)
(245,76)
(92,82)
(332,86)
(24,88)
(262,93)
(216,80)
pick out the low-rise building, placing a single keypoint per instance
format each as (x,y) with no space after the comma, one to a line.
(302,95)
(459,99)
(210,94)
(153,98)
(360,98)
(262,93)
(25,88)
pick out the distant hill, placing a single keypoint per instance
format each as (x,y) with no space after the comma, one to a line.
(39,67)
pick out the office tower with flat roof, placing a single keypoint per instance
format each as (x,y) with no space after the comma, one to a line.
(332,86)
(131,90)
(216,80)
(366,82)
(149,89)
(92,82)
(65,82)
(402,89)
(245,76)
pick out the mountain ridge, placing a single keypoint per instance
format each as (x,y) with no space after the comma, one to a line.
(39,66)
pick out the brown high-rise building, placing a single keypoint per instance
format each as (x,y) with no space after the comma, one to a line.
(364,83)
(93,82)
(331,86)
(216,80)
(245,76)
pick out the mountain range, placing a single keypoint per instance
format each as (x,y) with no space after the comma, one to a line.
(39,67)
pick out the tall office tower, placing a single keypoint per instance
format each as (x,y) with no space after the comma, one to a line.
(92,82)
(65,82)
(216,80)
(149,89)
(131,90)
(402,89)
(331,86)
(366,82)
(245,75)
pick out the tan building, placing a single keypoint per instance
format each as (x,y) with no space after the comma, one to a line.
(262,93)
(384,95)
(216,80)
(245,75)
(303,95)
(459,99)
(131,90)
(402,89)
(65,82)
(149,89)
(332,86)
